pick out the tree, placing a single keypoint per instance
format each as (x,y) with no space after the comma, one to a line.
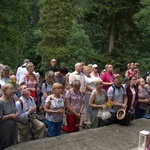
(79,46)
(113,19)
(55,23)
(13,22)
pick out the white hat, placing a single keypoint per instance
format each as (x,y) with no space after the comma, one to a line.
(95,66)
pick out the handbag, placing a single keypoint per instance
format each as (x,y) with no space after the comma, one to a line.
(103,114)
(106,114)
(99,114)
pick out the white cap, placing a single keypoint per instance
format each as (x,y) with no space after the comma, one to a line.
(95,66)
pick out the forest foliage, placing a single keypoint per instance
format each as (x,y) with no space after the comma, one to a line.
(91,31)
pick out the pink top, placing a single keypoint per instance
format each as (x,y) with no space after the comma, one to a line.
(130,74)
(107,77)
(75,100)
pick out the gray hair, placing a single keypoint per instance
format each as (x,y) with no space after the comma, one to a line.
(148,79)
(28,64)
(4,69)
(49,74)
(76,83)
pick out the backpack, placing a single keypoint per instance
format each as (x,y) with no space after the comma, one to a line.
(22,102)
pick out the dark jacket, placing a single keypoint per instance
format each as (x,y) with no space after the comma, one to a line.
(129,96)
(54,69)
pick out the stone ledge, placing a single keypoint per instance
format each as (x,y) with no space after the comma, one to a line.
(114,137)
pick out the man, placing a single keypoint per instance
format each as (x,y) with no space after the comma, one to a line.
(117,98)
(78,75)
(22,70)
(52,66)
(60,75)
(27,122)
(107,77)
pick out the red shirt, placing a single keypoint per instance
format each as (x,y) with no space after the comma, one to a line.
(107,77)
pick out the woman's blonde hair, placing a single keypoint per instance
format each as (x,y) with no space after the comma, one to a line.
(6,86)
(86,68)
(98,81)
(56,86)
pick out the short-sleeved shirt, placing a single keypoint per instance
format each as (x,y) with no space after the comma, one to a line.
(117,96)
(75,100)
(60,79)
(90,81)
(76,76)
(143,94)
(56,104)
(107,77)
(45,88)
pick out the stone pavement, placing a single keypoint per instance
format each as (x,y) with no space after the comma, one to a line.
(113,137)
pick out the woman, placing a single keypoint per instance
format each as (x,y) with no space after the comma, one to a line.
(74,107)
(89,88)
(132,95)
(97,101)
(47,86)
(131,71)
(5,74)
(54,108)
(143,100)
(30,79)
(8,117)
(147,86)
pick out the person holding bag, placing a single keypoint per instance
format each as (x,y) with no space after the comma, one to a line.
(97,102)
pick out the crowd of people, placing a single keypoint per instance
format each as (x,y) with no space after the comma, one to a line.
(103,98)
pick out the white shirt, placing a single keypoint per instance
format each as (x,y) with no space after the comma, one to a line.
(90,82)
(76,76)
(20,72)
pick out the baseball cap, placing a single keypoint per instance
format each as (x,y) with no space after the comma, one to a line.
(94,66)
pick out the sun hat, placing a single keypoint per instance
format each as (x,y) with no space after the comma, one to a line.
(121,114)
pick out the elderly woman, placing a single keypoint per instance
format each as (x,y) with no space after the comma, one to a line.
(89,88)
(47,86)
(97,101)
(74,107)
(5,74)
(54,108)
(147,85)
(30,79)
(8,117)
(143,100)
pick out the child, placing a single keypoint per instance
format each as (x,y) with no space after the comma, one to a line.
(54,108)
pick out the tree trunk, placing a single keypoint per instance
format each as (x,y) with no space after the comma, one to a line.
(112,33)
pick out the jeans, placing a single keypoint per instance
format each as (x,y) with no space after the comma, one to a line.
(54,128)
(139,112)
